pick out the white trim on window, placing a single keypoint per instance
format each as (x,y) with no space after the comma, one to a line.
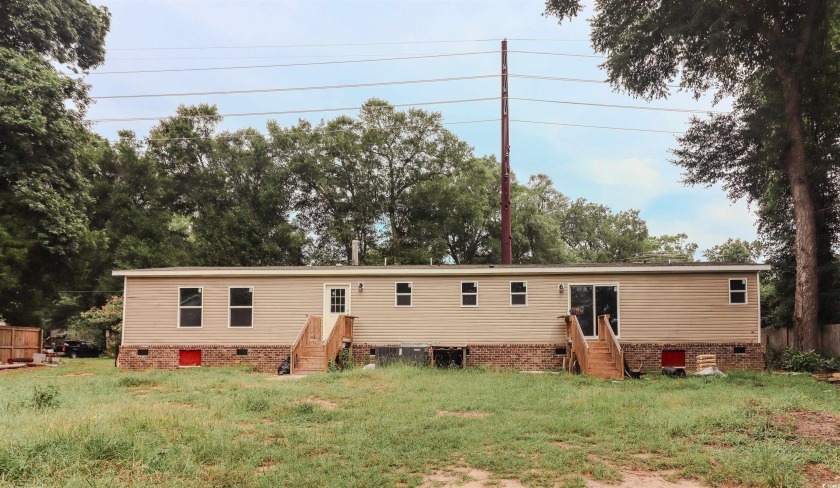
(511,293)
(229,307)
(744,291)
(178,301)
(469,294)
(410,294)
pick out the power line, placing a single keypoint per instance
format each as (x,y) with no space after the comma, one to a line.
(610,105)
(594,126)
(302,88)
(310,131)
(575,80)
(289,112)
(306,56)
(543,53)
(391,43)
(316,63)
(317,130)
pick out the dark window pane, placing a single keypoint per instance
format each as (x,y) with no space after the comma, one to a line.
(737,297)
(403,287)
(518,287)
(606,303)
(190,297)
(582,306)
(471,287)
(241,297)
(737,285)
(404,300)
(241,317)
(469,300)
(190,317)
(518,299)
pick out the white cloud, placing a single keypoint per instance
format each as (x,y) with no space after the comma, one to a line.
(710,224)
(627,182)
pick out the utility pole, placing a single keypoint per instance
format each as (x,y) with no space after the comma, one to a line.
(506,225)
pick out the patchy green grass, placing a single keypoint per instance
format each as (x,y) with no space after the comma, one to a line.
(396,426)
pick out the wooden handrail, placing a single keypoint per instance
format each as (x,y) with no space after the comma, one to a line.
(580,348)
(606,334)
(309,333)
(342,331)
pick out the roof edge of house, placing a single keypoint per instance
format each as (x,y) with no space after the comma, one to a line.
(443,270)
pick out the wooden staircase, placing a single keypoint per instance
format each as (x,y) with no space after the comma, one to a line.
(601,363)
(310,354)
(601,358)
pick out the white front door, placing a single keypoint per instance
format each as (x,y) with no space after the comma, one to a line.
(336,302)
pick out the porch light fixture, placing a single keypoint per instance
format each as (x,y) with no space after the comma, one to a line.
(361,286)
(562,288)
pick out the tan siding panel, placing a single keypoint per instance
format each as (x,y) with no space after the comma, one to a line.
(653,307)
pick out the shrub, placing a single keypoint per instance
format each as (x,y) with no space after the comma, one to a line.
(801,361)
(44,397)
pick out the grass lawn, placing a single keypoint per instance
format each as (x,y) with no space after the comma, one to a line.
(407,426)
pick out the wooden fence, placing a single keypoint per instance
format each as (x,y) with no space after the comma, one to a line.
(775,339)
(20,342)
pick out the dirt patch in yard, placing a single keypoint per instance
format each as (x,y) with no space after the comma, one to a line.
(632,478)
(265,466)
(818,475)
(81,373)
(325,404)
(463,415)
(812,424)
(460,477)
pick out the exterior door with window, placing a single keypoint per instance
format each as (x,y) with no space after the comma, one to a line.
(590,301)
(336,302)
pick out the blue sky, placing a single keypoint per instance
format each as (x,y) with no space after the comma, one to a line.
(621,169)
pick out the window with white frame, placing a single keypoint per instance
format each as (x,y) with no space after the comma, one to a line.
(737,291)
(469,294)
(241,305)
(403,291)
(518,293)
(189,307)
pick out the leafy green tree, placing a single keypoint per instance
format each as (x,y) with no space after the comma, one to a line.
(458,216)
(408,149)
(597,235)
(44,148)
(538,225)
(243,202)
(735,251)
(734,48)
(101,324)
(667,248)
(338,195)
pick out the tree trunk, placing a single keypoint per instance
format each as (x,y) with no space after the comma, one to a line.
(795,166)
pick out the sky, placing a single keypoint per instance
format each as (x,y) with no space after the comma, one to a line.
(622,169)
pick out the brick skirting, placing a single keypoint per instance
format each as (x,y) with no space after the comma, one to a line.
(526,357)
(263,357)
(649,354)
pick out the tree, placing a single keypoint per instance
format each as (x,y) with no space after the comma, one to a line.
(104,323)
(735,251)
(732,47)
(538,227)
(597,235)
(458,216)
(243,201)
(44,148)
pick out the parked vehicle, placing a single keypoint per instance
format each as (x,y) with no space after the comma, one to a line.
(81,349)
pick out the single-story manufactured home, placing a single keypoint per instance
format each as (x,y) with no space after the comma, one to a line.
(528,317)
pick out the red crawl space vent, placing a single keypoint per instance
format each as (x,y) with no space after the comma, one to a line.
(191,357)
(674,359)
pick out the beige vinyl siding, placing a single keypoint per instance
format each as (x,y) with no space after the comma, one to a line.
(686,308)
(653,307)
